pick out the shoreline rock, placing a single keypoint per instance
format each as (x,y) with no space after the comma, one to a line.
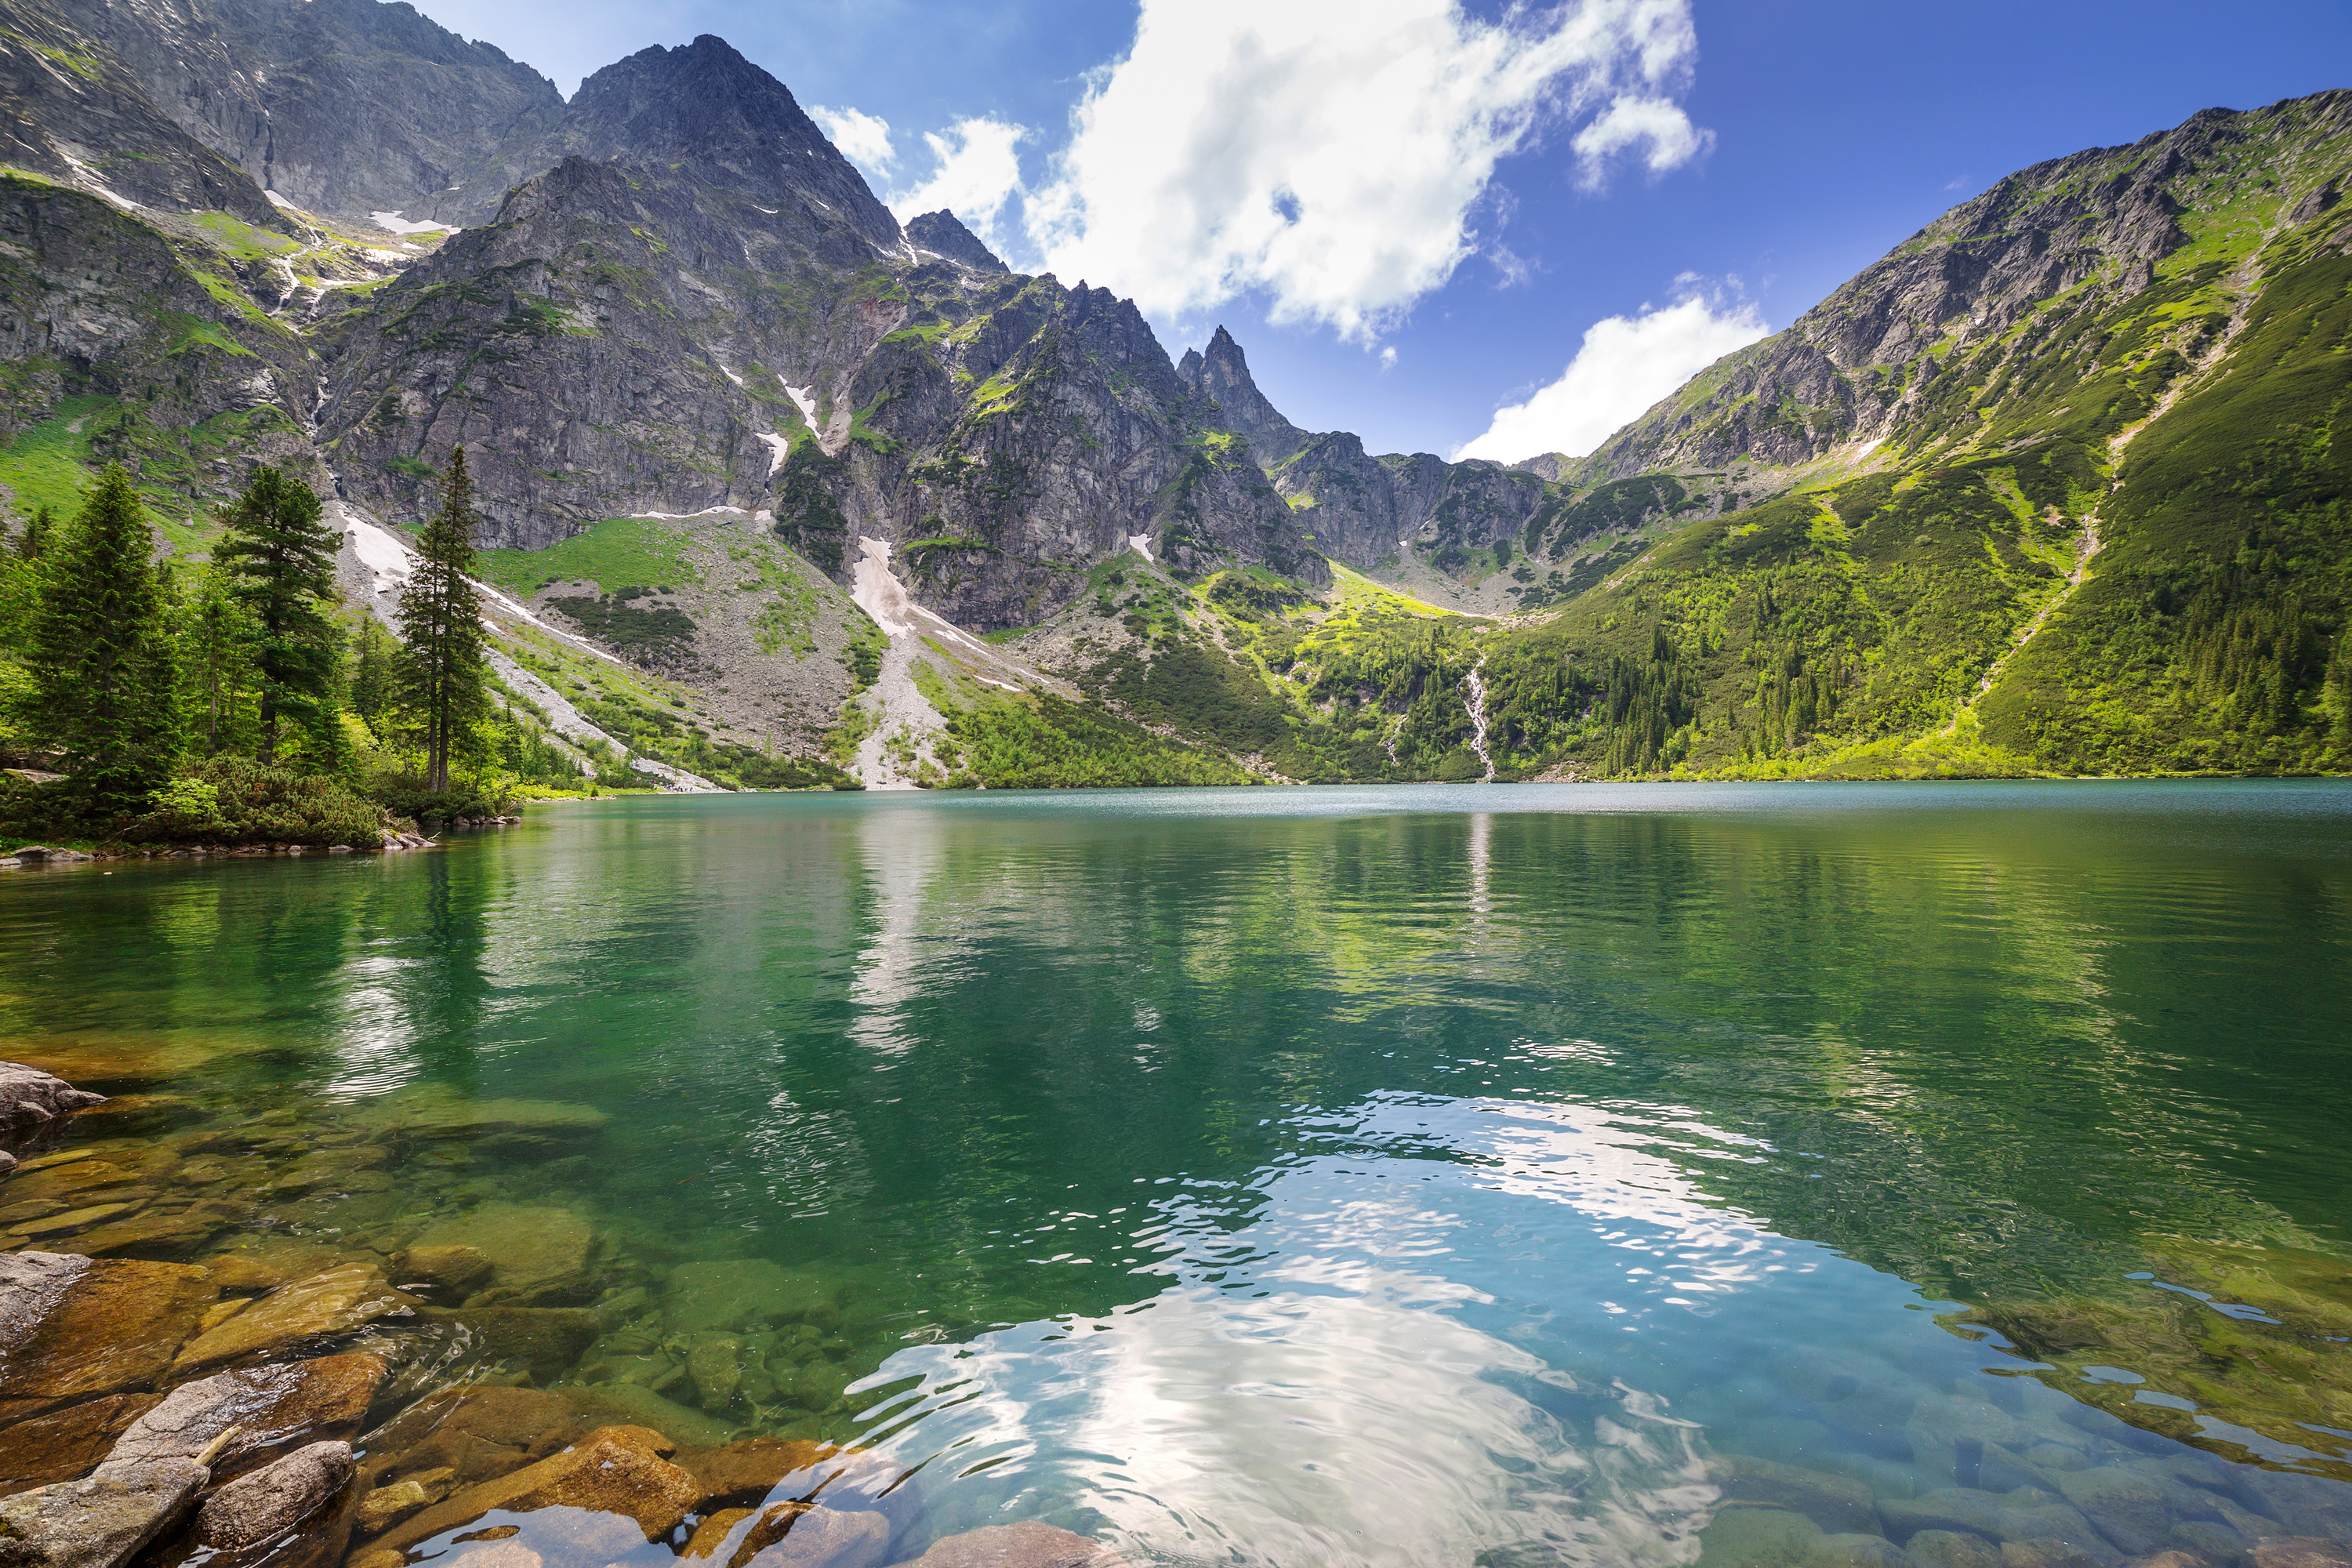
(30,1100)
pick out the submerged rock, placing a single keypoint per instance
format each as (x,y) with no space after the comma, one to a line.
(338,1301)
(2042,1552)
(613,1470)
(545,1340)
(739,1293)
(179,1230)
(474,1433)
(100,1521)
(31,1285)
(2135,1511)
(269,1502)
(1747,1537)
(715,1365)
(2300,1551)
(31,1099)
(827,1538)
(457,1268)
(742,1475)
(67,1445)
(503,1127)
(1028,1544)
(1952,1549)
(1834,1502)
(387,1505)
(75,1327)
(537,1254)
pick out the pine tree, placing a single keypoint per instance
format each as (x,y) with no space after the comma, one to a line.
(216,640)
(441,619)
(280,559)
(35,537)
(104,684)
(375,657)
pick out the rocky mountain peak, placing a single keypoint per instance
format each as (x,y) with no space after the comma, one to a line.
(703,104)
(2054,246)
(1222,373)
(942,234)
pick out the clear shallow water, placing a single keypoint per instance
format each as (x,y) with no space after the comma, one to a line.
(1410,1175)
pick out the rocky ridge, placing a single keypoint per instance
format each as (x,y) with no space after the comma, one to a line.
(1967,308)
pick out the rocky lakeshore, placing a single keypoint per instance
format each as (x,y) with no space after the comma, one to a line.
(385,1332)
(226,1364)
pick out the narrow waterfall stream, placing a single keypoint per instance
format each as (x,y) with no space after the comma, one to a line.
(1476,686)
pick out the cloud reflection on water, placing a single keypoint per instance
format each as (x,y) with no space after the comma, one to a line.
(1313,1388)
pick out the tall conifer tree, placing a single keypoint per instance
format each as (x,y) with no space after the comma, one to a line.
(104,685)
(441,620)
(35,537)
(280,559)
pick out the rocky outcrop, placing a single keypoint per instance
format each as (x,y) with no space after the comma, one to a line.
(79,116)
(270,1503)
(704,107)
(1355,507)
(30,1100)
(342,107)
(100,1521)
(615,1470)
(83,1327)
(93,301)
(942,234)
(252,1416)
(1221,373)
(618,341)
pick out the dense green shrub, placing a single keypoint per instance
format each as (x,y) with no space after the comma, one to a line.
(405,795)
(237,800)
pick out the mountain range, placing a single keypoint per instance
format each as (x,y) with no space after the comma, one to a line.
(2057,486)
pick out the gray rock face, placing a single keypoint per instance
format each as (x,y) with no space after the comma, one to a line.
(79,115)
(344,107)
(1220,371)
(271,1501)
(704,105)
(1356,507)
(944,236)
(100,1521)
(271,1409)
(94,300)
(31,1099)
(624,340)
(31,1285)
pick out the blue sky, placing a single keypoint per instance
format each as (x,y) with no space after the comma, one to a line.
(1411,216)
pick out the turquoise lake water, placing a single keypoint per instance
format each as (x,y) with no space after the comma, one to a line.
(1410,1175)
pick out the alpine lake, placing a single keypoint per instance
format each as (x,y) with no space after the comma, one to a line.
(1755,1176)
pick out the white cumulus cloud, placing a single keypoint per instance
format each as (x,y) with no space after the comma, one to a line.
(1657,124)
(1625,365)
(1335,156)
(976,169)
(864,139)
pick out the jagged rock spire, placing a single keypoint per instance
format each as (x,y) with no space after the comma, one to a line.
(1222,373)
